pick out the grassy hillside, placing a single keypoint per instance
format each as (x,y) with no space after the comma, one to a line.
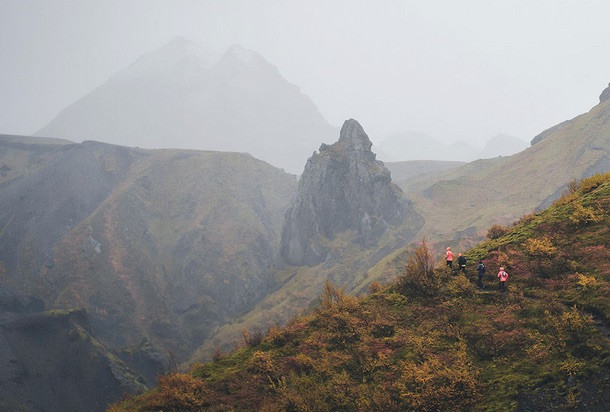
(479,194)
(298,288)
(434,341)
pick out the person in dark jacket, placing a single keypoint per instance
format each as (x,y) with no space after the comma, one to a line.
(481,271)
(461,263)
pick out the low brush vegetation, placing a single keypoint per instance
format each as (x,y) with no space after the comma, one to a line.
(433,341)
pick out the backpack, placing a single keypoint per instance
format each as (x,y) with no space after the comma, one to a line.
(481,268)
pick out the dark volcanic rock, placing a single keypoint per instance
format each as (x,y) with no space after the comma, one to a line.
(605,94)
(342,188)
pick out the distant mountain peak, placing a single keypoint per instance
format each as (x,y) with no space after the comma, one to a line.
(179,40)
(239,56)
(177,59)
(183,96)
(605,94)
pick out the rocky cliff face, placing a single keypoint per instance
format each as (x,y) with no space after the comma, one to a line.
(342,188)
(49,361)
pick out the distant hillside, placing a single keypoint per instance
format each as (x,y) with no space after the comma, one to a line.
(159,246)
(412,168)
(474,196)
(434,341)
(418,146)
(181,96)
(502,145)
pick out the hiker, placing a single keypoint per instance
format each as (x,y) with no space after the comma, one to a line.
(481,270)
(461,263)
(502,277)
(449,257)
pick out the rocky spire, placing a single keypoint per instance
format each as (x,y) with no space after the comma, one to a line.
(352,136)
(342,188)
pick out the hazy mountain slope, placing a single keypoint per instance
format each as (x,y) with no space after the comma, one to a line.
(502,145)
(50,361)
(24,154)
(159,246)
(39,208)
(185,244)
(484,192)
(182,97)
(412,168)
(433,341)
(418,146)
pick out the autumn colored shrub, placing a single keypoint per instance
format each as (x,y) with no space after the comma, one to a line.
(586,282)
(252,338)
(442,382)
(541,251)
(593,182)
(582,215)
(300,363)
(374,287)
(218,354)
(261,363)
(178,392)
(420,277)
(496,231)
(572,330)
(460,286)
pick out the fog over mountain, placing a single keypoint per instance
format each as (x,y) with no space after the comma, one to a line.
(419,146)
(182,96)
(174,188)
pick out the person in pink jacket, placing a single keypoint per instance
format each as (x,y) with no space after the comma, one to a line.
(502,278)
(449,257)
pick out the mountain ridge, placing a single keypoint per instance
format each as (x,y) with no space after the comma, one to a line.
(173,97)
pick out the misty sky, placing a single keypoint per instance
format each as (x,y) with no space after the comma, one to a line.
(456,70)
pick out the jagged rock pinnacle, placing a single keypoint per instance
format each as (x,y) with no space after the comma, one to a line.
(353,134)
(343,188)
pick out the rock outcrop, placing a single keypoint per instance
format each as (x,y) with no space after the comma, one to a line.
(605,94)
(342,188)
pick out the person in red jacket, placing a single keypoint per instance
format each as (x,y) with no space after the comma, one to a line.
(502,278)
(449,257)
